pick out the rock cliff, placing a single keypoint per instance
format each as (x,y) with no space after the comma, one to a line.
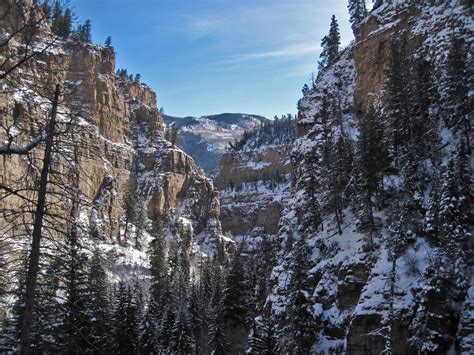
(117,126)
(254,180)
(349,277)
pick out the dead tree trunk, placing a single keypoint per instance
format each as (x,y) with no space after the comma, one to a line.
(33,264)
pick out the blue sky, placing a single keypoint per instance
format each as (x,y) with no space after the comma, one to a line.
(212,56)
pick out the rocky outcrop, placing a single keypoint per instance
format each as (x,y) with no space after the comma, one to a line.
(253,187)
(117,123)
(351,299)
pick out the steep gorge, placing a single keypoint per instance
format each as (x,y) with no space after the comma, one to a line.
(360,299)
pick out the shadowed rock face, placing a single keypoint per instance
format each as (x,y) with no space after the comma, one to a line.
(253,186)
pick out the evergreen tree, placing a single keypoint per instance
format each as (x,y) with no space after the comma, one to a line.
(3,271)
(181,337)
(234,310)
(158,269)
(148,343)
(217,335)
(265,262)
(125,328)
(61,22)
(10,332)
(196,312)
(456,81)
(305,89)
(300,331)
(330,45)
(396,95)
(372,151)
(56,16)
(357,11)
(218,339)
(46,8)
(130,204)
(166,327)
(46,331)
(464,180)
(108,42)
(264,338)
(83,32)
(76,318)
(424,124)
(99,303)
(452,219)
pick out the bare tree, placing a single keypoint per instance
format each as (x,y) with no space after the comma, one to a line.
(20,44)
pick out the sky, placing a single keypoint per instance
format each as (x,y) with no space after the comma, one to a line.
(205,57)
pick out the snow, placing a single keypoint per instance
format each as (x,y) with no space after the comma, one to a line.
(338,79)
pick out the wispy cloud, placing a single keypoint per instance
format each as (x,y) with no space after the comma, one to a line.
(283,52)
(200,27)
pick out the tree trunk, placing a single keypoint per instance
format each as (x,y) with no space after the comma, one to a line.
(33,264)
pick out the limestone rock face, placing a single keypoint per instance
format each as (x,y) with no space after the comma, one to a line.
(118,129)
(253,185)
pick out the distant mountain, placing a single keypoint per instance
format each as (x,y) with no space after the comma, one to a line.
(206,138)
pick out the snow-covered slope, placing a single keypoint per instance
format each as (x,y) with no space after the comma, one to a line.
(365,296)
(207,138)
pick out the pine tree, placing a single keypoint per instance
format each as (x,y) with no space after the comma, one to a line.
(11,329)
(99,303)
(148,342)
(218,339)
(396,93)
(61,22)
(372,159)
(46,8)
(452,218)
(3,271)
(217,335)
(76,319)
(264,338)
(457,109)
(83,32)
(108,42)
(265,262)
(66,25)
(158,268)
(464,180)
(166,326)
(125,334)
(330,45)
(130,204)
(47,321)
(196,313)
(301,328)
(357,11)
(424,124)
(305,89)
(372,151)
(181,337)
(234,310)
(56,16)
